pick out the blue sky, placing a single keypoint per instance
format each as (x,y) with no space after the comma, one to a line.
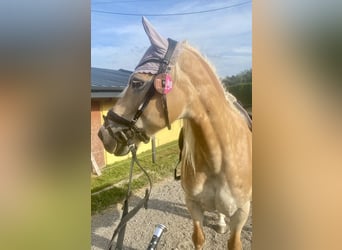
(224,37)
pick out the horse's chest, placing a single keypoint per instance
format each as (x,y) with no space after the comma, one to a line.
(210,194)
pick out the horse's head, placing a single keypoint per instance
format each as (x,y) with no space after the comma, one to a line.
(148,104)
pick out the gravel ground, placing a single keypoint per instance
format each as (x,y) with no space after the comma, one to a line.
(166,206)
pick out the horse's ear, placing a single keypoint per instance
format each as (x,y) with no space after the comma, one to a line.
(155,38)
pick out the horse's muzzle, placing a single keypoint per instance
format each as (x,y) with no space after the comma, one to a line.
(112,144)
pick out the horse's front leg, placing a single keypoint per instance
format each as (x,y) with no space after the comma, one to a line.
(237,221)
(196,213)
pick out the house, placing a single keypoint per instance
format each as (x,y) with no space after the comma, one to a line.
(106,88)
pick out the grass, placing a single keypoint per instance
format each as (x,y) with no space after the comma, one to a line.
(166,159)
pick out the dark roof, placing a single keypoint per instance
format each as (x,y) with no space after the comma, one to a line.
(108,83)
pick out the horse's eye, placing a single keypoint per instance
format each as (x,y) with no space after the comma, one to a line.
(137,83)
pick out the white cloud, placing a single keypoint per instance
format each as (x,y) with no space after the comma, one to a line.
(224,37)
(130,29)
(243,50)
(111,57)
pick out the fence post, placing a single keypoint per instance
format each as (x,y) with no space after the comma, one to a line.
(94,165)
(153,140)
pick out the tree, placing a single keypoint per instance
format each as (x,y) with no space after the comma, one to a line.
(242,77)
(240,85)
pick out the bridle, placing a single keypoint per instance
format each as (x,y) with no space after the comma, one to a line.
(131,131)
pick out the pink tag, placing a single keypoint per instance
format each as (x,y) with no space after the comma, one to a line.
(163,83)
(168,84)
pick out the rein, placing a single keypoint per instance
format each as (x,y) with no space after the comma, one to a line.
(126,216)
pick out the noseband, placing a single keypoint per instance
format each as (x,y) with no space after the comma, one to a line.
(127,135)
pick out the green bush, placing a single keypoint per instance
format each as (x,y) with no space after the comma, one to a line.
(242,92)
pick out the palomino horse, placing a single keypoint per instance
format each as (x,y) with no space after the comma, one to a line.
(216,162)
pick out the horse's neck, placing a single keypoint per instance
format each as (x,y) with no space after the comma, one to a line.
(211,125)
(209,110)
(210,116)
(210,129)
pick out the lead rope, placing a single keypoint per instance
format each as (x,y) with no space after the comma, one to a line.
(126,216)
(122,231)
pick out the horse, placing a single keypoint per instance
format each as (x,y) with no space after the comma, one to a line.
(174,81)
